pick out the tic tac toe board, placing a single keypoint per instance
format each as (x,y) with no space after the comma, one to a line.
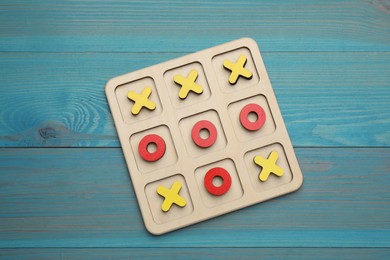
(202,136)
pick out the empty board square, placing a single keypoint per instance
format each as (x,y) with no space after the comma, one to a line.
(205,138)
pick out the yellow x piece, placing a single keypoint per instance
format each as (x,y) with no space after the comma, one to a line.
(237,69)
(141,100)
(171,196)
(188,84)
(268,166)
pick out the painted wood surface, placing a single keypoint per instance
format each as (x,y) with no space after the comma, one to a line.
(327,99)
(82,197)
(198,253)
(177,26)
(64,188)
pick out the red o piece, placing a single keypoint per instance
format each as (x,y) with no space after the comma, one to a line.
(226,181)
(198,140)
(252,108)
(143,147)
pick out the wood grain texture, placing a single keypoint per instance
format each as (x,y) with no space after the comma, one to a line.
(58,100)
(329,64)
(197,253)
(82,197)
(187,26)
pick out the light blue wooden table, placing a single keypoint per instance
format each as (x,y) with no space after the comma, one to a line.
(64,187)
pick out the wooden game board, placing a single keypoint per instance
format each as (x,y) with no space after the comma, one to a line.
(202,135)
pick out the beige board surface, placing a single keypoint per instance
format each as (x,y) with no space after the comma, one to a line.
(210,132)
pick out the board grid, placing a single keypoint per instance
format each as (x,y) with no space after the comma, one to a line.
(245,147)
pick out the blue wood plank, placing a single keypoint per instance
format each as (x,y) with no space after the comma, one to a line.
(197,253)
(76,198)
(187,26)
(82,197)
(58,100)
